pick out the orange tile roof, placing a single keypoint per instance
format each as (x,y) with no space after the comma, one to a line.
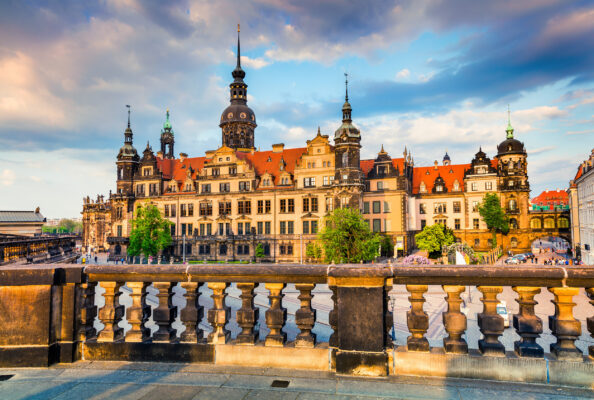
(367,165)
(175,169)
(429,174)
(551,195)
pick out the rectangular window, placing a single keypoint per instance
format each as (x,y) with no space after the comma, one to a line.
(488,185)
(283,227)
(209,229)
(224,187)
(289,249)
(365,207)
(457,207)
(326,181)
(283,205)
(244,186)
(309,182)
(202,229)
(305,205)
(377,207)
(172,230)
(473,186)
(380,185)
(216,172)
(205,188)
(240,228)
(182,210)
(267,227)
(475,205)
(267,207)
(232,170)
(173,208)
(221,228)
(305,227)
(457,223)
(377,225)
(290,229)
(166,212)
(475,223)
(329,204)
(314,204)
(260,206)
(423,223)
(439,208)
(422,208)
(386,207)
(190,210)
(119,230)
(291,205)
(260,228)
(314,226)
(248,228)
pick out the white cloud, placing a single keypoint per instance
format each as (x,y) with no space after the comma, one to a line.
(7,178)
(403,74)
(584,132)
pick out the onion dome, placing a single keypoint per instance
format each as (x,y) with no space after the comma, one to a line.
(446,157)
(167,124)
(128,150)
(510,145)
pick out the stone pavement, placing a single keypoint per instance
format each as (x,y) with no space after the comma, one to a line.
(120,380)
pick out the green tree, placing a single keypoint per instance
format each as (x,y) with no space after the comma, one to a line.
(494,216)
(313,251)
(346,237)
(387,246)
(433,237)
(259,251)
(69,226)
(150,233)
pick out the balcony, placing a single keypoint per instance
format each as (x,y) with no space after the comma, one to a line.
(156,313)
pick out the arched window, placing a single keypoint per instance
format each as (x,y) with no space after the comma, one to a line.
(563,222)
(512,205)
(535,223)
(514,242)
(549,223)
(513,223)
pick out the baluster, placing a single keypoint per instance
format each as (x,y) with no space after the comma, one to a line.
(138,313)
(528,326)
(416,319)
(192,313)
(454,321)
(275,316)
(389,315)
(491,323)
(164,314)
(247,315)
(305,317)
(87,311)
(219,314)
(590,320)
(112,313)
(333,320)
(564,326)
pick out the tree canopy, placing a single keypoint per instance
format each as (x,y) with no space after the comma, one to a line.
(494,216)
(150,232)
(346,238)
(433,237)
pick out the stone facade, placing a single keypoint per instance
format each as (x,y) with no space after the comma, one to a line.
(581,197)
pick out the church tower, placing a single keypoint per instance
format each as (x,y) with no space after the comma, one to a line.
(127,163)
(167,138)
(238,121)
(347,143)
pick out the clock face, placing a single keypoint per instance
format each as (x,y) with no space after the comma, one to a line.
(230,115)
(242,115)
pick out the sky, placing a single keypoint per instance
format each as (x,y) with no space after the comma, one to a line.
(431,75)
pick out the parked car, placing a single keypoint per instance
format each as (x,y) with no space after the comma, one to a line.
(502,310)
(512,260)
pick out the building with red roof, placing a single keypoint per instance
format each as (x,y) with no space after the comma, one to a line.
(224,203)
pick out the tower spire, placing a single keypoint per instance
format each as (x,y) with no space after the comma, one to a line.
(346,85)
(238,49)
(509,129)
(128,106)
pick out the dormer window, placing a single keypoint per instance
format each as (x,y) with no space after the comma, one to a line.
(456,185)
(439,188)
(423,188)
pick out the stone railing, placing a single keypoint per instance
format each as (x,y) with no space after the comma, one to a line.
(238,315)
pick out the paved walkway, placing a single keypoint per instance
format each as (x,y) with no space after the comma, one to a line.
(117,380)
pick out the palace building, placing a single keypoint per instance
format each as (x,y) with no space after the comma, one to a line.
(226,202)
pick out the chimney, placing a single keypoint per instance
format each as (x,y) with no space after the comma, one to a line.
(160,155)
(435,165)
(278,148)
(182,157)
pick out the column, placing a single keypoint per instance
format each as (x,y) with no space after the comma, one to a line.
(111,314)
(305,317)
(417,320)
(528,326)
(164,314)
(247,315)
(276,315)
(490,323)
(564,326)
(219,314)
(138,313)
(454,321)
(192,313)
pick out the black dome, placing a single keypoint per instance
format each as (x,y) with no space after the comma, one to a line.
(238,113)
(511,146)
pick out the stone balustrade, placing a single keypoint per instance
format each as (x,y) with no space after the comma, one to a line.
(55,308)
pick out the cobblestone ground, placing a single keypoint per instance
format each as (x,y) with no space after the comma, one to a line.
(115,380)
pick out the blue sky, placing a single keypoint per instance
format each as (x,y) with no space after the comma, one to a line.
(427,74)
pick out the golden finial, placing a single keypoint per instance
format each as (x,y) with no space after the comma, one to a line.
(237,27)
(167,109)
